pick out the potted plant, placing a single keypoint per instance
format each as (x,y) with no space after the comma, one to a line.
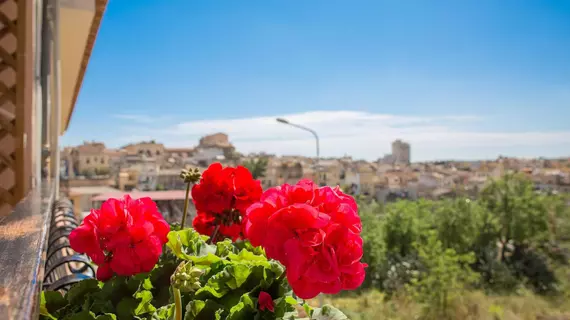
(250,254)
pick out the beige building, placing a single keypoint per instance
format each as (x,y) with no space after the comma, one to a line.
(149,149)
(169,179)
(178,157)
(216,140)
(330,172)
(128,179)
(284,170)
(368,177)
(81,197)
(89,159)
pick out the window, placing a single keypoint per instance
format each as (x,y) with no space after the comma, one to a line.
(87,160)
(102,160)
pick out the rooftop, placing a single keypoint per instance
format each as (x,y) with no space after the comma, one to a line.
(91,190)
(154,195)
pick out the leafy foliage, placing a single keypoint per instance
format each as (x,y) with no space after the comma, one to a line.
(231,278)
(512,232)
(520,212)
(446,276)
(257,167)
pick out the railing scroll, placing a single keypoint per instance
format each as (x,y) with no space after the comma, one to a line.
(64,266)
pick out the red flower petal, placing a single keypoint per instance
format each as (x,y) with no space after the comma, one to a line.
(265,302)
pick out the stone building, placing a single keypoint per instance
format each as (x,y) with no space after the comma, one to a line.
(401,152)
(151,150)
(215,144)
(89,159)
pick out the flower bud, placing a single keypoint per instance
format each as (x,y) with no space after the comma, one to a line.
(186,278)
(190,175)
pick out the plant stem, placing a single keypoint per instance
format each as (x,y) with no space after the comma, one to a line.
(177,303)
(185,206)
(214,234)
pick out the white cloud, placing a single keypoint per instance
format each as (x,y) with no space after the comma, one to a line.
(360,134)
(140,118)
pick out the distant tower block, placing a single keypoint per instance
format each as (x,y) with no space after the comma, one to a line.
(401,152)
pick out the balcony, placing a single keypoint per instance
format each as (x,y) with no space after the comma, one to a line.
(45,47)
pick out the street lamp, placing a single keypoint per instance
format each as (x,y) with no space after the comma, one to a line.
(285,121)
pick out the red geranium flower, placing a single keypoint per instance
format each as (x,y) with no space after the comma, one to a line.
(314,232)
(265,302)
(124,237)
(221,198)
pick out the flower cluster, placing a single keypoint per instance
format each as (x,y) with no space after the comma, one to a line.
(221,199)
(124,237)
(314,232)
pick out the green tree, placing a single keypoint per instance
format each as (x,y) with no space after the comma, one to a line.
(521,214)
(460,224)
(406,222)
(257,167)
(373,241)
(448,274)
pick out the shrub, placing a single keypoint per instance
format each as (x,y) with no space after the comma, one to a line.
(446,277)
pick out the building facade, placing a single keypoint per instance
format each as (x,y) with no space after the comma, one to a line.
(400,152)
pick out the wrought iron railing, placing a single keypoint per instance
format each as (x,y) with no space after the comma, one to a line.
(64,266)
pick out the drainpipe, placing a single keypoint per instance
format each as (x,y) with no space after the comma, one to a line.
(38,95)
(46,87)
(56,109)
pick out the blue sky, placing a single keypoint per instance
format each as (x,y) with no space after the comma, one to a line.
(467,79)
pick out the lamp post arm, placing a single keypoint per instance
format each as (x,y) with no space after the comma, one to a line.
(314,134)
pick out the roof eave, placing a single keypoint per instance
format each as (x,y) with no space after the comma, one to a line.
(100,6)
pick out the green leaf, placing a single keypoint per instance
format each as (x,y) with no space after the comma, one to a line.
(223,248)
(328,312)
(102,306)
(43,309)
(308,309)
(193,308)
(79,291)
(284,305)
(202,310)
(245,244)
(83,315)
(292,315)
(147,284)
(210,292)
(144,305)
(239,274)
(245,309)
(50,302)
(186,243)
(291,301)
(160,280)
(107,316)
(205,260)
(247,256)
(164,313)
(126,308)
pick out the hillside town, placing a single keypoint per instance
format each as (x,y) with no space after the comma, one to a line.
(92,169)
